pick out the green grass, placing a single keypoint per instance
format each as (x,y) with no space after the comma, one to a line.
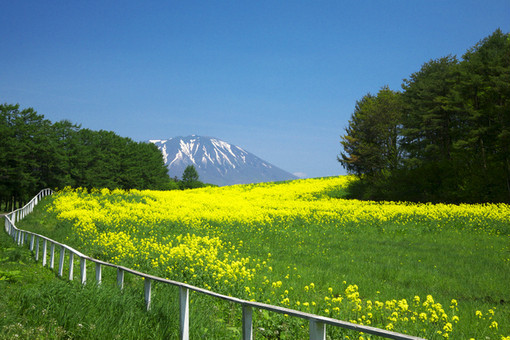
(36,304)
(385,261)
(473,268)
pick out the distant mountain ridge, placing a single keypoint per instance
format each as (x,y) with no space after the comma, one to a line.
(216,161)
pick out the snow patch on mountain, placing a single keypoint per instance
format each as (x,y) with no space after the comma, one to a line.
(217,161)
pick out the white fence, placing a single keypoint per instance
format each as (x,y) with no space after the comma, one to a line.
(317,323)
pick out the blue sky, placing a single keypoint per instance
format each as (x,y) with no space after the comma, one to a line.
(277,78)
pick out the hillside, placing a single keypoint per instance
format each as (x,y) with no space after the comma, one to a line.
(292,244)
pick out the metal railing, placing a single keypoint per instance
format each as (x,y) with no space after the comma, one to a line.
(317,323)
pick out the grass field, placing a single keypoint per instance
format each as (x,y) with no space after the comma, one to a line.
(435,271)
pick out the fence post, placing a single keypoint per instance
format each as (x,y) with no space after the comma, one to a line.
(98,273)
(148,288)
(317,330)
(71,265)
(52,255)
(83,271)
(32,242)
(184,308)
(37,249)
(247,323)
(44,253)
(120,278)
(61,262)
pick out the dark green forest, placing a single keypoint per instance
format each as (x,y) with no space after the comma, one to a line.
(444,138)
(36,153)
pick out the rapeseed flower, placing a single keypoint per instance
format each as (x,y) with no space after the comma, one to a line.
(181,235)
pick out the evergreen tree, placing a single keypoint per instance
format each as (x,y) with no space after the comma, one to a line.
(452,141)
(7,147)
(371,141)
(484,92)
(190,178)
(431,124)
(66,154)
(34,154)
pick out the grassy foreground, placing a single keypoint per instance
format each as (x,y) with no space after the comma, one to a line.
(36,304)
(436,271)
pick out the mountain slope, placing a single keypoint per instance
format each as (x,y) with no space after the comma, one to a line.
(217,162)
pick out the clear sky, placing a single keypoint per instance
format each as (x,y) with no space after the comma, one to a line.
(278,78)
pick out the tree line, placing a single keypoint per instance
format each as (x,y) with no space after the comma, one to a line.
(444,138)
(36,153)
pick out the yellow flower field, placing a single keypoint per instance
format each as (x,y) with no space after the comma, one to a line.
(239,240)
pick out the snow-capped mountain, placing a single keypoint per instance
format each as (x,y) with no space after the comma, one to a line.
(216,161)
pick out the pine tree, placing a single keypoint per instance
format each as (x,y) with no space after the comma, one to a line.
(484,92)
(370,144)
(190,178)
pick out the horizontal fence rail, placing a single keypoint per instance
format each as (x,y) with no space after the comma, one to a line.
(39,244)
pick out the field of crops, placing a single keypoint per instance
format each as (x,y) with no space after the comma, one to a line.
(435,271)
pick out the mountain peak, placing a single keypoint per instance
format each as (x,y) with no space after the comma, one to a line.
(217,161)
